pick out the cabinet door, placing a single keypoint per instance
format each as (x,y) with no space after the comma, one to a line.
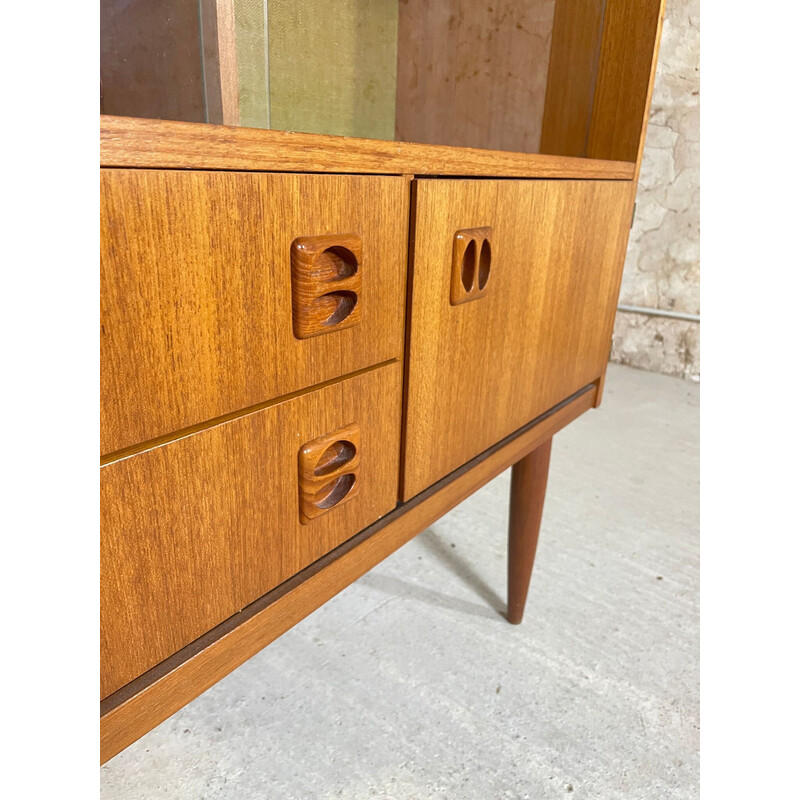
(194,530)
(222,290)
(506,327)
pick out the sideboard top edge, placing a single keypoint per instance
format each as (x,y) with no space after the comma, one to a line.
(164,144)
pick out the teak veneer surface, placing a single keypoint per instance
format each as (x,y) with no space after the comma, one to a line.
(196,291)
(572,76)
(204,558)
(152,143)
(602,65)
(526,504)
(625,75)
(542,329)
(148,701)
(194,530)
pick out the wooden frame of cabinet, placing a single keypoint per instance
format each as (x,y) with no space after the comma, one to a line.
(594,128)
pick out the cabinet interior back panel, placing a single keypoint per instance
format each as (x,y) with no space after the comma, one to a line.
(473,74)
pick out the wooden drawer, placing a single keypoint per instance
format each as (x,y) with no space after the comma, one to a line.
(197,291)
(194,530)
(535,324)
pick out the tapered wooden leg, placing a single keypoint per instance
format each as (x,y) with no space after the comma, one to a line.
(528,485)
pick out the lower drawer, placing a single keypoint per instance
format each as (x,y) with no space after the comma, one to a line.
(196,529)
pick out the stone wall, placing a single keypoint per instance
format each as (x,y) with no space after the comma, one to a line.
(662,268)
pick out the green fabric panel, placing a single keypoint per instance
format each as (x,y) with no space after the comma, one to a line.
(251,63)
(333,66)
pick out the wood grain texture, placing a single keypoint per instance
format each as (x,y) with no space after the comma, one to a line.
(472,264)
(478,371)
(526,504)
(571,79)
(631,31)
(648,99)
(326,283)
(193,531)
(150,700)
(473,74)
(328,471)
(196,301)
(601,384)
(645,115)
(131,142)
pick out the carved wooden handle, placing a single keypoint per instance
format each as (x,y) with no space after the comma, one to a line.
(328,471)
(326,283)
(472,262)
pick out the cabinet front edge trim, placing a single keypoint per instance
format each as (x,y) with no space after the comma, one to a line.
(164,144)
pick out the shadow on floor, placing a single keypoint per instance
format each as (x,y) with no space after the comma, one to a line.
(493,606)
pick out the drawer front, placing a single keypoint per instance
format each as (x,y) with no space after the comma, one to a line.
(194,530)
(222,290)
(514,291)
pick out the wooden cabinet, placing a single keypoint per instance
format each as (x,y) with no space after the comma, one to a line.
(197,291)
(539,327)
(196,529)
(251,418)
(314,346)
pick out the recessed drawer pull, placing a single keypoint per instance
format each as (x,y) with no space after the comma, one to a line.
(334,491)
(484,264)
(326,283)
(472,263)
(328,471)
(337,454)
(468,267)
(334,307)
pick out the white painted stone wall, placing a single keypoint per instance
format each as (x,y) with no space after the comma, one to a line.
(662,268)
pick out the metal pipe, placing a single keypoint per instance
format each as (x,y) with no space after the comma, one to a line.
(659,312)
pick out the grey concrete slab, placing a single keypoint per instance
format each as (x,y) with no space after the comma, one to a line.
(411,685)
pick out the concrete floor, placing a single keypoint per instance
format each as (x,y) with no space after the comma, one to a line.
(411,685)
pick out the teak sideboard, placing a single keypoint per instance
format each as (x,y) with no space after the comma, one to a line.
(312,347)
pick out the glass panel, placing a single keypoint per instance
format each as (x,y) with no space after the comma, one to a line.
(451,72)
(152,60)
